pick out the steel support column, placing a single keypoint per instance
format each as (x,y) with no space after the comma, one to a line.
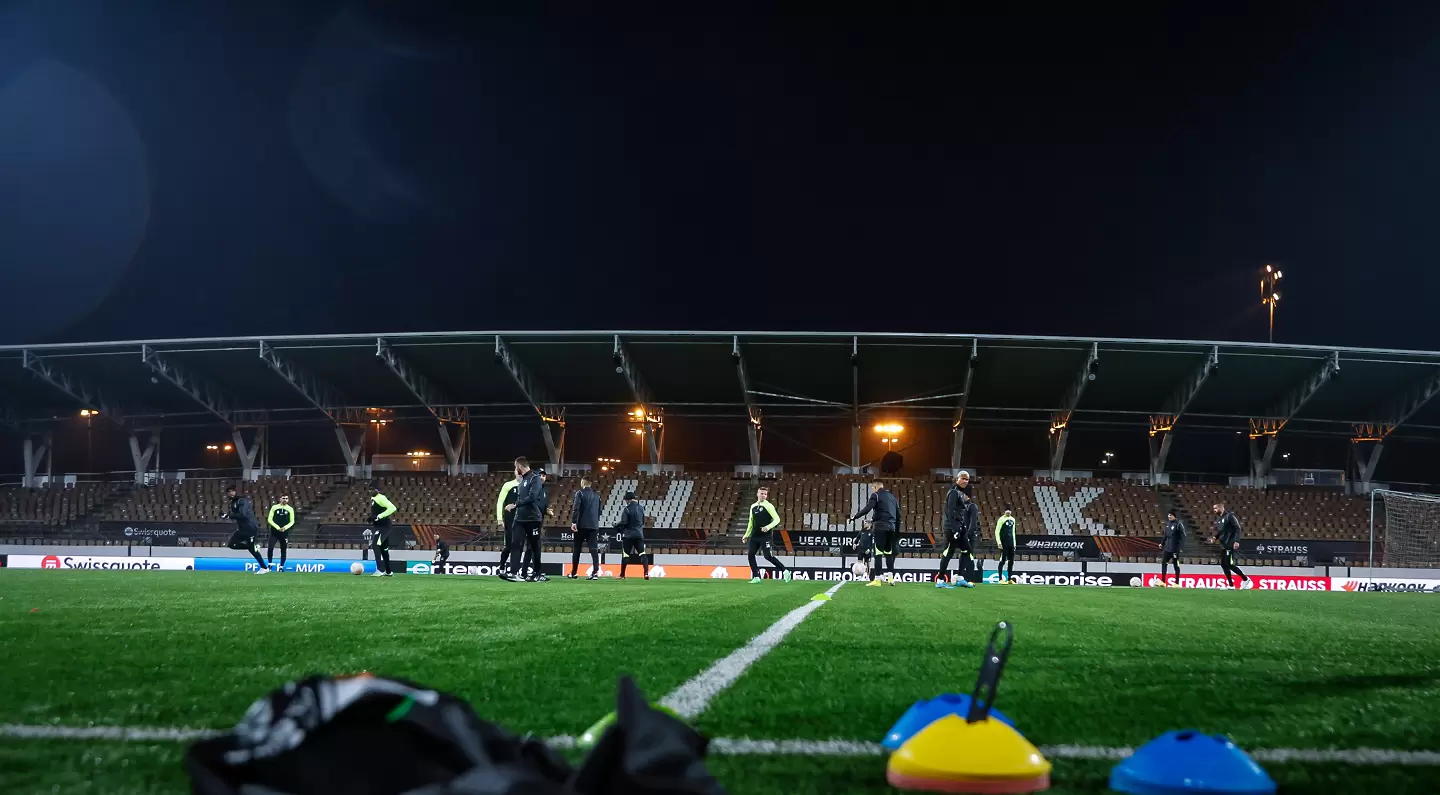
(625,365)
(1162,425)
(351,449)
(148,459)
(855,405)
(752,411)
(38,452)
(1269,426)
(1060,421)
(957,428)
(540,398)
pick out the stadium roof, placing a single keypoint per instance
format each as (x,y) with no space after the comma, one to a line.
(1016,380)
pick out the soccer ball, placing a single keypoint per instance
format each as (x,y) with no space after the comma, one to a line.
(357,568)
(858,569)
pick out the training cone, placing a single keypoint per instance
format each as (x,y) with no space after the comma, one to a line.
(925,712)
(954,755)
(1186,762)
(593,734)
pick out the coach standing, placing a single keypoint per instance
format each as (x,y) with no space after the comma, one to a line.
(584,524)
(505,517)
(527,515)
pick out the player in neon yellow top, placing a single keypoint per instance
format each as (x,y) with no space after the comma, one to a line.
(758,532)
(280,519)
(381,509)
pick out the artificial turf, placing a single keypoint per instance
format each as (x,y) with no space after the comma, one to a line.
(1111,667)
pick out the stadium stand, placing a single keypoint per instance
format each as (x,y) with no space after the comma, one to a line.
(700,501)
(1305,512)
(204,500)
(52,506)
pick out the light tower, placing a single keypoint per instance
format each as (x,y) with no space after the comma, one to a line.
(1270,293)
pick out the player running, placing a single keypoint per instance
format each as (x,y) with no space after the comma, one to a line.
(1005,539)
(632,535)
(281,518)
(246,527)
(884,512)
(1170,547)
(1228,536)
(759,531)
(381,509)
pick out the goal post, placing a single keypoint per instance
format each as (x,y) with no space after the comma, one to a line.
(1405,526)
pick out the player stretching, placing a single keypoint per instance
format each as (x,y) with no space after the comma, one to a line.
(759,532)
(1005,539)
(960,515)
(632,535)
(246,527)
(381,508)
(884,511)
(281,518)
(1170,547)
(1228,536)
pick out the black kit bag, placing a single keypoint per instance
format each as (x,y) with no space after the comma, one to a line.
(373,736)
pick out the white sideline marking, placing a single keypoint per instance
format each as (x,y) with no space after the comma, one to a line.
(125,733)
(743,746)
(693,697)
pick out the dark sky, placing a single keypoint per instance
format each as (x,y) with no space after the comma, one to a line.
(204,168)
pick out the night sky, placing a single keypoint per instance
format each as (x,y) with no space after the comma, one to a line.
(207,168)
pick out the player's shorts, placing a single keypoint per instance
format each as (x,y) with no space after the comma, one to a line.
(382,537)
(1007,546)
(759,543)
(632,547)
(241,539)
(585,535)
(276,533)
(441,557)
(1169,556)
(864,555)
(884,539)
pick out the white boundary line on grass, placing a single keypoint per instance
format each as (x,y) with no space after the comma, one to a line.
(692,698)
(742,746)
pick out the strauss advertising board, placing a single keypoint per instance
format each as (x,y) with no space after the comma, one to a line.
(1258,582)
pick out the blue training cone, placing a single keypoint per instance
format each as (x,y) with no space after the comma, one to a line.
(926,711)
(1186,762)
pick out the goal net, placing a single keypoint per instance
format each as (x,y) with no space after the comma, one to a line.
(1405,529)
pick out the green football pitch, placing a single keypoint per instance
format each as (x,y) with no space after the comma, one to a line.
(1100,668)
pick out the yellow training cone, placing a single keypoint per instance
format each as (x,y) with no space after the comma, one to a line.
(953,755)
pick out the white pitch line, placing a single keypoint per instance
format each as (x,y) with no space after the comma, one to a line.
(744,746)
(124,733)
(692,698)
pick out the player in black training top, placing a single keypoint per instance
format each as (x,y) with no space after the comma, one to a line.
(632,535)
(1170,547)
(864,549)
(247,527)
(884,511)
(961,525)
(1228,536)
(442,552)
(584,524)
